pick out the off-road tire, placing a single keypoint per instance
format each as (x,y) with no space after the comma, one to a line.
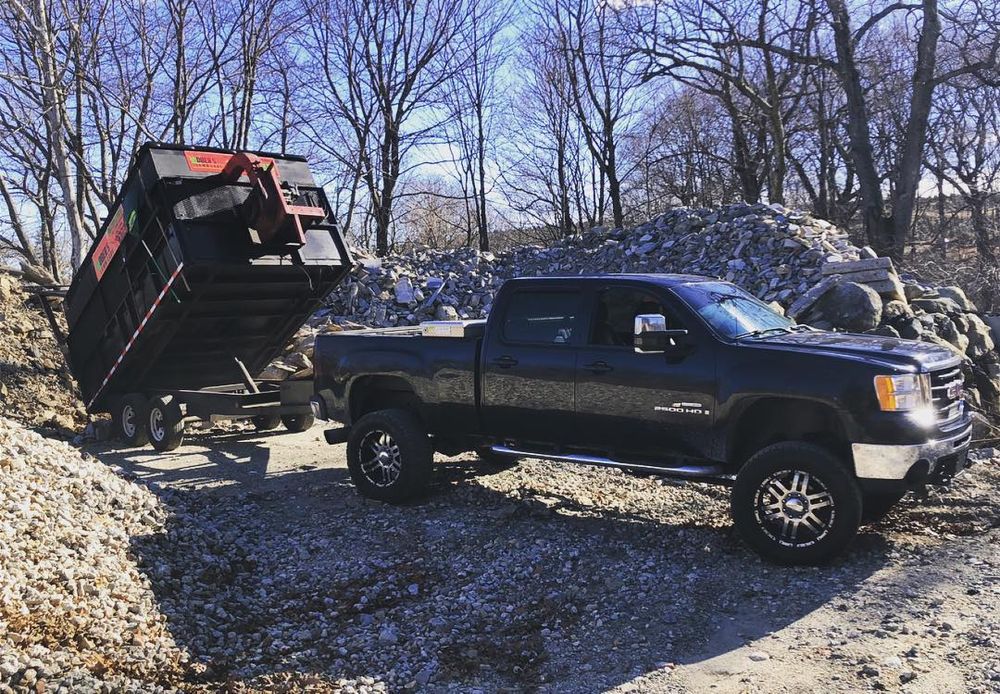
(497,461)
(405,469)
(266,422)
(297,422)
(770,474)
(165,423)
(130,420)
(875,507)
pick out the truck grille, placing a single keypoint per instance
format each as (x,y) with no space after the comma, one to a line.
(946,391)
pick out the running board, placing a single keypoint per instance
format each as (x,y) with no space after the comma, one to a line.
(705,472)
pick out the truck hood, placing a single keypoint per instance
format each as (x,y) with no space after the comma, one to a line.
(876,349)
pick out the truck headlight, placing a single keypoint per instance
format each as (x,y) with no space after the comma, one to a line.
(903,393)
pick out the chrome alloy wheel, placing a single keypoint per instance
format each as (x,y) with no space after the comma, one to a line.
(128,420)
(794,508)
(156,428)
(380,458)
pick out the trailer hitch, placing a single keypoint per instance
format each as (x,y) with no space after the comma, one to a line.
(270,215)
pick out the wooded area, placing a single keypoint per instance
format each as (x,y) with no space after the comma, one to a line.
(467,122)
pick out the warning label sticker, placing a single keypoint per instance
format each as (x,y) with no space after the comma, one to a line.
(213,162)
(109,243)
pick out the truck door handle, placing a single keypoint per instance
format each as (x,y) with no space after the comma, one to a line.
(505,362)
(599,367)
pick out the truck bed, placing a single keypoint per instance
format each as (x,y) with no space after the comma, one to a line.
(442,370)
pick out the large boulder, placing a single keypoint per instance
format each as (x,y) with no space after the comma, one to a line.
(851,306)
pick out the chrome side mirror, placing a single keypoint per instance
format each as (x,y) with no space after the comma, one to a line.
(652,336)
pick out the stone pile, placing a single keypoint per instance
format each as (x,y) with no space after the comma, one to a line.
(36,387)
(788,258)
(76,613)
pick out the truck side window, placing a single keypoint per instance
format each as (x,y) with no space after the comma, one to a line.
(541,317)
(614,319)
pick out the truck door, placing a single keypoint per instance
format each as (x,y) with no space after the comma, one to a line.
(529,365)
(642,406)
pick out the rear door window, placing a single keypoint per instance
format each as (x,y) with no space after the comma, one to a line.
(551,318)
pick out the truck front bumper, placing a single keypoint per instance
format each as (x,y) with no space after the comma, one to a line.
(935,461)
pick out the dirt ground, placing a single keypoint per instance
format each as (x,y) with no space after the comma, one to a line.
(551,578)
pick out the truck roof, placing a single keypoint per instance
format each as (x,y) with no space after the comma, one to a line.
(664,279)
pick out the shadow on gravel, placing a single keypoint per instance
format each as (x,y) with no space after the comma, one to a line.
(472,587)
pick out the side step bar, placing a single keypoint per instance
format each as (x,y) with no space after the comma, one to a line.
(715,473)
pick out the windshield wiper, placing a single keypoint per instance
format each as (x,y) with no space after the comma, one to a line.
(761,333)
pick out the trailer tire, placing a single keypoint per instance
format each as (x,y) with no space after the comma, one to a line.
(265,422)
(130,420)
(389,456)
(166,423)
(796,503)
(297,422)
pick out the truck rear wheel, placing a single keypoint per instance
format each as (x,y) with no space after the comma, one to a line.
(166,423)
(130,418)
(390,456)
(297,422)
(796,503)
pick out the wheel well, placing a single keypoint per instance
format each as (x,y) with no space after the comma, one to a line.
(372,393)
(771,420)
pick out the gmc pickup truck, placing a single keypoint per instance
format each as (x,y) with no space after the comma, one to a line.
(672,375)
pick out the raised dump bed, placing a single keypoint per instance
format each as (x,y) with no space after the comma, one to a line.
(209,262)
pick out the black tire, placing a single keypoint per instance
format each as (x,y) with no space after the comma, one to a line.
(130,420)
(497,461)
(389,456)
(794,487)
(297,422)
(165,423)
(266,422)
(875,507)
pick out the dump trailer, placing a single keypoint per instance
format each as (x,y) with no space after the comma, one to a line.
(210,260)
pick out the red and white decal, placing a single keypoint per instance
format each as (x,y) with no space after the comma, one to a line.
(214,162)
(109,243)
(142,324)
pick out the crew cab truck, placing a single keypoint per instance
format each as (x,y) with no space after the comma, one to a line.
(674,375)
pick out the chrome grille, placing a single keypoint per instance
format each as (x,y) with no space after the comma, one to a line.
(946,392)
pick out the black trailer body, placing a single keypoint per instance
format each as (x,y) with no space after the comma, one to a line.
(191,285)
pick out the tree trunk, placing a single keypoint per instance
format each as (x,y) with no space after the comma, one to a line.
(52,102)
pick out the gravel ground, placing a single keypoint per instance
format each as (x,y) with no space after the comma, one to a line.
(272,574)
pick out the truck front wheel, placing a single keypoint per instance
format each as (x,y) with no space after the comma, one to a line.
(796,503)
(390,456)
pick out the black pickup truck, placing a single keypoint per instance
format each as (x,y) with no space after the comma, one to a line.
(672,375)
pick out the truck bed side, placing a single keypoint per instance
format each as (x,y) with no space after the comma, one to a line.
(359,372)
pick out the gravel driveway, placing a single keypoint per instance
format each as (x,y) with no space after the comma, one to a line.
(273,573)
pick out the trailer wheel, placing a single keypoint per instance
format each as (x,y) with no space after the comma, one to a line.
(130,420)
(297,422)
(390,456)
(166,423)
(796,503)
(266,422)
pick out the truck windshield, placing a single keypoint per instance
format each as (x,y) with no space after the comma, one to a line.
(732,312)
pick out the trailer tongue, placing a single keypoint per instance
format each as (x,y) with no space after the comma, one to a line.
(209,263)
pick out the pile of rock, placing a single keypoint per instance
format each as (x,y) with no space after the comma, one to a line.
(75,610)
(35,385)
(771,251)
(868,296)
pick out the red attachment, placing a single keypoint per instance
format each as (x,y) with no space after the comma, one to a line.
(269,213)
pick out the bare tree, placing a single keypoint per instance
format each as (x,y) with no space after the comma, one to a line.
(473,99)
(385,63)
